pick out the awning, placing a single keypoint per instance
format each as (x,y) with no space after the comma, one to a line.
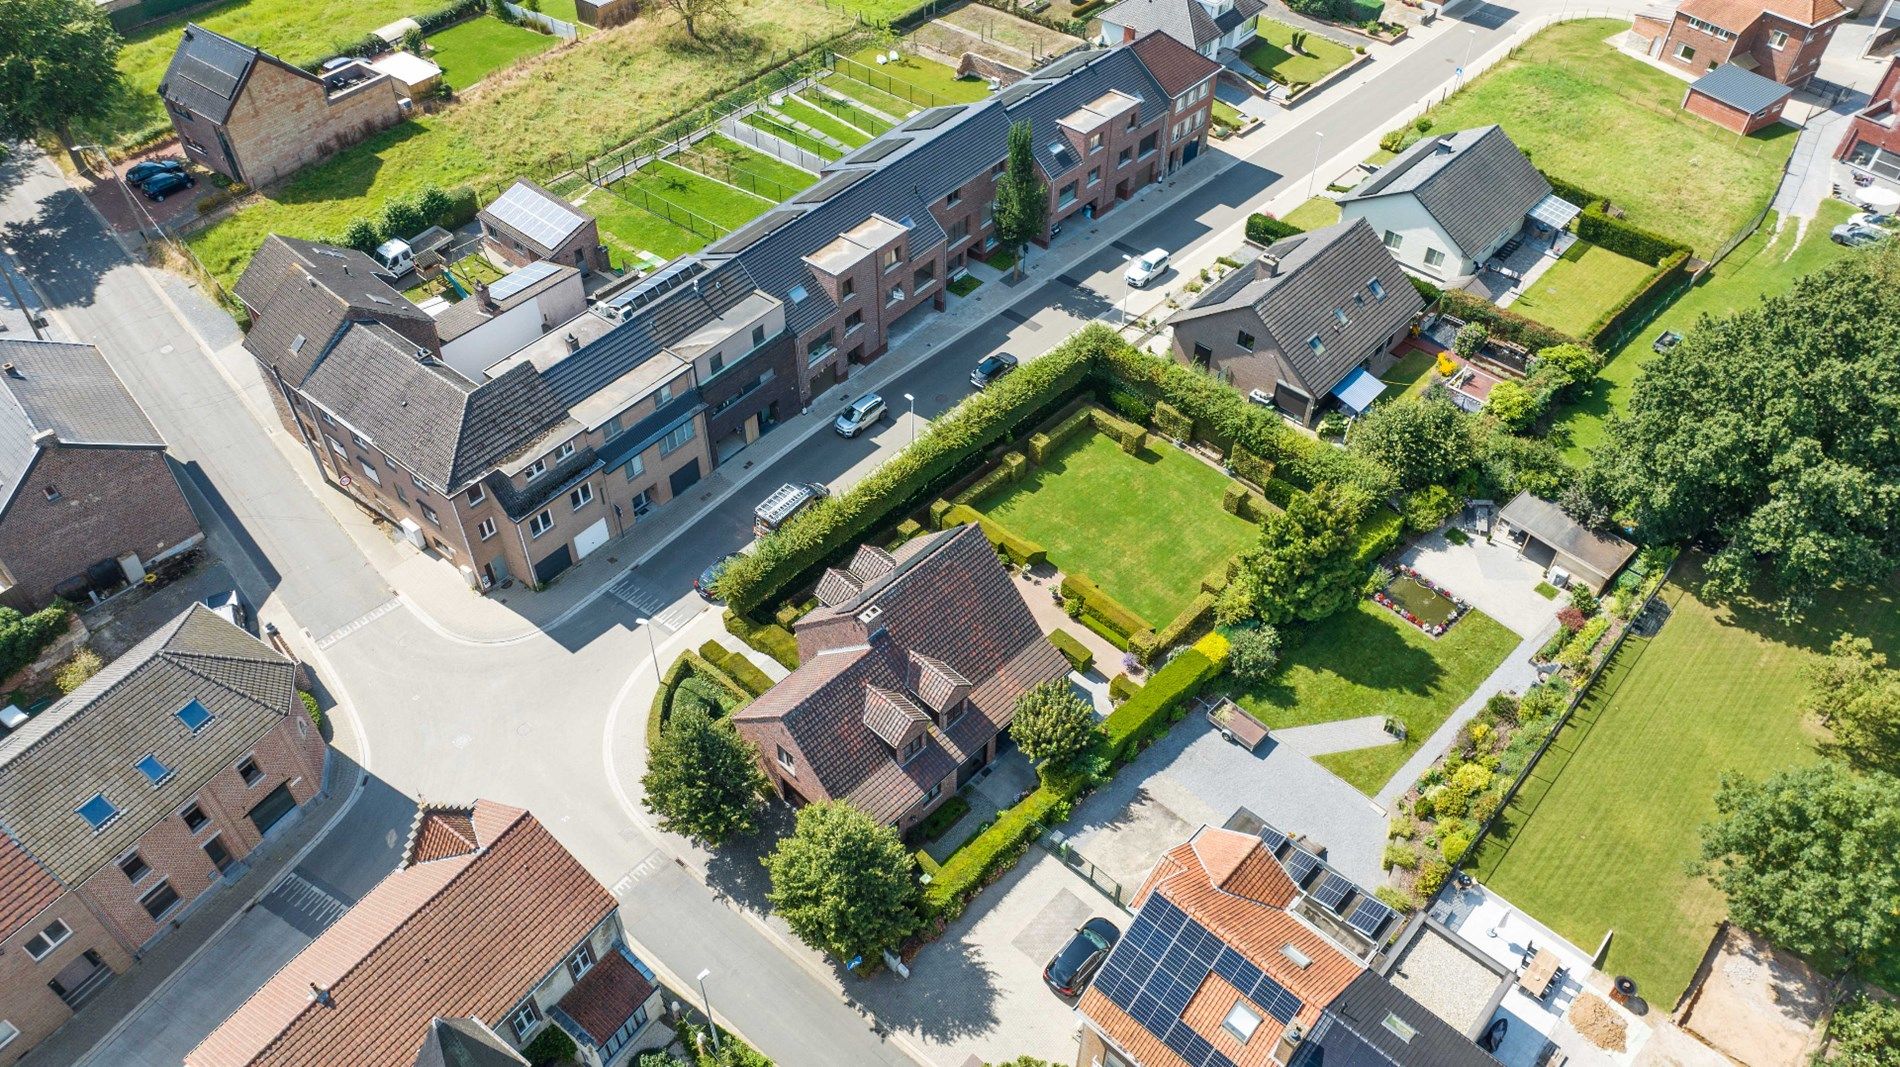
(1359,390)
(1554,211)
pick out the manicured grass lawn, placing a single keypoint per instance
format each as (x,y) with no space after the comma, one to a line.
(748,168)
(481,46)
(938,81)
(1615,126)
(791,135)
(1225,115)
(1580,287)
(835,128)
(1409,374)
(845,109)
(551,111)
(1367,661)
(1597,839)
(1271,53)
(877,99)
(564,10)
(627,229)
(1764,265)
(1314,214)
(1097,510)
(709,199)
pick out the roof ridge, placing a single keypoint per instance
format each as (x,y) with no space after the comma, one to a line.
(85,696)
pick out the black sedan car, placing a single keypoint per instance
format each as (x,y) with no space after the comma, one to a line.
(159,186)
(152,168)
(703,585)
(994,366)
(1075,966)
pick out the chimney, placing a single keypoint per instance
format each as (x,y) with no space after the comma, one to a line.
(481,294)
(11,370)
(1267,266)
(573,343)
(321,995)
(46,439)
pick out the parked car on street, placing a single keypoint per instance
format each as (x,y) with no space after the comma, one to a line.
(1073,968)
(786,501)
(703,585)
(861,415)
(1147,268)
(151,168)
(1855,236)
(993,366)
(159,186)
(1667,342)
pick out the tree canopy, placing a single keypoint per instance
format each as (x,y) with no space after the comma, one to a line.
(1773,430)
(1052,725)
(1305,565)
(703,779)
(58,66)
(1857,696)
(844,883)
(1423,441)
(1022,198)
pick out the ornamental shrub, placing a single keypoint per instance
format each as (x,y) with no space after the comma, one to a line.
(22,637)
(1427,509)
(1397,899)
(1146,711)
(310,707)
(1253,654)
(1502,707)
(76,671)
(1265,229)
(1470,339)
(551,1045)
(1454,845)
(1400,855)
(1570,619)
(1583,599)
(1099,605)
(1121,687)
(770,638)
(1432,872)
(1471,779)
(1079,657)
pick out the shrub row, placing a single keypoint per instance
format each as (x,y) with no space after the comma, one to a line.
(1104,631)
(1146,711)
(1504,324)
(1265,229)
(1171,422)
(1573,192)
(1009,469)
(1597,227)
(1098,605)
(1021,550)
(23,637)
(1249,466)
(1193,619)
(1376,534)
(740,669)
(405,216)
(1632,306)
(1079,657)
(1058,432)
(1129,435)
(1239,499)
(688,664)
(769,637)
(1222,573)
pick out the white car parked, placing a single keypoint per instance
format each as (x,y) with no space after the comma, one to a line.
(860,416)
(1147,268)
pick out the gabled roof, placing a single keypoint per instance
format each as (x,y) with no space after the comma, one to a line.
(1188,22)
(1601,553)
(1175,65)
(466,935)
(207,72)
(1739,15)
(536,215)
(1743,90)
(303,294)
(1355,1030)
(26,887)
(1312,275)
(68,391)
(465,1043)
(92,739)
(1475,183)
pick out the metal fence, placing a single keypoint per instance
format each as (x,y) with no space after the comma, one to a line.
(1058,846)
(722,168)
(753,137)
(691,221)
(884,83)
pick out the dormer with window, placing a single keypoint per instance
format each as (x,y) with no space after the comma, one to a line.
(939,687)
(897,721)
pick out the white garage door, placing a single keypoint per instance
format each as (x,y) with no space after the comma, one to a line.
(591,538)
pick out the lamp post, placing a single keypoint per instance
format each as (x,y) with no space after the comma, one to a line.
(653,651)
(711,1027)
(913,417)
(1319,141)
(32,320)
(1471,38)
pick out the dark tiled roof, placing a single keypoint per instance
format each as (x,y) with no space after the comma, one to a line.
(1353,1032)
(92,739)
(1743,90)
(698,299)
(607,996)
(1544,520)
(1185,21)
(1475,183)
(465,1043)
(70,390)
(1175,65)
(312,290)
(26,887)
(535,215)
(206,72)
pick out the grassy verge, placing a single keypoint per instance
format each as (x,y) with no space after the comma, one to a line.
(937,79)
(1577,289)
(835,128)
(479,47)
(846,110)
(1314,214)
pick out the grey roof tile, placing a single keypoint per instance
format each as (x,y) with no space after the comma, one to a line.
(313,291)
(66,389)
(1475,183)
(1742,89)
(207,72)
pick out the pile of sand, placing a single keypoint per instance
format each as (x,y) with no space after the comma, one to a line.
(1595,1019)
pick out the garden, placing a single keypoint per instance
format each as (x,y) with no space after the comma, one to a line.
(1578,290)
(1421,602)
(470,51)
(1293,58)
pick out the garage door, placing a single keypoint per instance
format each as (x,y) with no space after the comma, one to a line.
(591,538)
(271,810)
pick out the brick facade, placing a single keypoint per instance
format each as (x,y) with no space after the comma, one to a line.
(26,999)
(1730,118)
(284,120)
(1781,48)
(79,506)
(582,249)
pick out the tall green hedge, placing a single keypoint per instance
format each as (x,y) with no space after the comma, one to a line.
(1146,712)
(1021,550)
(1099,605)
(770,638)
(23,637)
(1503,323)
(1265,229)
(1596,226)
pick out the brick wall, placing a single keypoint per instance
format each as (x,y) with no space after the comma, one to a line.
(1727,117)
(1710,51)
(284,121)
(25,999)
(110,502)
(1799,56)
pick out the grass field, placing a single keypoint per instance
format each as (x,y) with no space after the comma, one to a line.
(725,158)
(712,200)
(626,229)
(831,126)
(1764,265)
(1271,53)
(938,81)
(846,110)
(1314,214)
(792,135)
(1409,375)
(562,106)
(1367,661)
(481,46)
(1577,289)
(1565,91)
(1598,837)
(1093,506)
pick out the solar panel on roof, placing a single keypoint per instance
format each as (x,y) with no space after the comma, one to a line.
(517,282)
(1019,92)
(935,117)
(1332,891)
(882,148)
(1300,865)
(1273,839)
(1065,65)
(1369,917)
(540,219)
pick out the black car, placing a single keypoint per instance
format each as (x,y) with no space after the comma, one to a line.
(160,186)
(1075,966)
(703,585)
(152,168)
(994,366)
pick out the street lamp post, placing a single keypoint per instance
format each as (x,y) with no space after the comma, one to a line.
(711,1027)
(1319,141)
(1471,38)
(913,417)
(13,287)
(653,651)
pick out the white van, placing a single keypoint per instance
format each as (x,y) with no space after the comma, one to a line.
(786,501)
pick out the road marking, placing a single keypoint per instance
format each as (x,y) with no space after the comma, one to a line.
(304,904)
(358,623)
(650,864)
(652,605)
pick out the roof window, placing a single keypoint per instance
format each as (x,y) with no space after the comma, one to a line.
(98,812)
(194,716)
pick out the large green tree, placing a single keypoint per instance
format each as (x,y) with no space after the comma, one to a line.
(1810,859)
(1022,198)
(1305,565)
(1052,725)
(703,779)
(844,883)
(1864,1032)
(1423,441)
(1773,429)
(58,67)
(1857,696)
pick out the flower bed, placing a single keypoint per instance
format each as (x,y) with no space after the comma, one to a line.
(1421,602)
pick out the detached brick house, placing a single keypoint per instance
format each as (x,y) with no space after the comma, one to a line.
(487,933)
(527,223)
(1315,317)
(256,119)
(908,677)
(1781,40)
(1207,26)
(1872,143)
(87,497)
(123,803)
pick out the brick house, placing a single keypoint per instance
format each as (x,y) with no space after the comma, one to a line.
(1207,26)
(87,497)
(487,932)
(256,119)
(1740,101)
(1871,145)
(527,223)
(131,797)
(1314,318)
(1781,40)
(908,677)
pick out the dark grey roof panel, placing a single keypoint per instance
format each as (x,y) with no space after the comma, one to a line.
(206,72)
(1475,183)
(831,185)
(935,117)
(882,148)
(1741,89)
(536,214)
(1354,1032)
(696,299)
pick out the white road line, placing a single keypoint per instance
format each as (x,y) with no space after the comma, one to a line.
(358,623)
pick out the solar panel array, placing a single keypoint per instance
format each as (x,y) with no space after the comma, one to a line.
(1300,865)
(1273,839)
(1332,891)
(1369,917)
(519,281)
(935,117)
(878,149)
(543,220)
(1156,969)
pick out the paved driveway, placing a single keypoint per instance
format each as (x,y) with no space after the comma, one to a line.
(1490,575)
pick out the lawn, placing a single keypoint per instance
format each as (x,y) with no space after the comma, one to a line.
(1410,374)
(1313,214)
(747,168)
(844,109)
(1368,661)
(577,101)
(715,201)
(830,125)
(1764,265)
(791,135)
(1579,288)
(1094,508)
(1615,126)
(1225,115)
(876,99)
(1597,839)
(1271,53)
(481,46)
(938,82)
(628,229)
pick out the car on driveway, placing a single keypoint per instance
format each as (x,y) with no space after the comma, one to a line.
(1147,268)
(152,168)
(160,186)
(1073,968)
(1875,220)
(993,366)
(229,606)
(861,415)
(703,585)
(1666,343)
(1855,236)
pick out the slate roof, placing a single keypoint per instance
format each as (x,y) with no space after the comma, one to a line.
(947,599)
(70,390)
(1475,183)
(26,887)
(207,72)
(1352,1032)
(1186,21)
(1602,553)
(91,740)
(465,1043)
(1743,90)
(1318,272)
(311,290)
(460,936)
(659,315)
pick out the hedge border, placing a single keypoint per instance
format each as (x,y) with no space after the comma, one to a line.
(1072,649)
(740,669)
(769,637)
(688,662)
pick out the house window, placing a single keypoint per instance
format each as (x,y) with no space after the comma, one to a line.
(1134,119)
(1318,346)
(897,293)
(636,467)
(1126,155)
(541,523)
(580,962)
(934,793)
(1066,196)
(8,1032)
(914,746)
(1095,142)
(785,761)
(821,348)
(567,447)
(664,395)
(1376,289)
(1150,143)
(476,495)
(48,939)
(888,258)
(642,502)
(154,770)
(535,470)
(582,496)
(158,900)
(401,495)
(523,1018)
(960,231)
(429,513)
(997,170)
(676,439)
(852,322)
(1244,340)
(1399,1028)
(485,529)
(1241,1021)
(758,336)
(98,812)
(338,448)
(1777,40)
(369,471)
(195,818)
(134,867)
(1202,353)
(52,492)
(194,716)
(797,294)
(1434,257)
(923,277)
(1685,53)
(953,199)
(248,770)
(359,442)
(1095,175)
(1392,239)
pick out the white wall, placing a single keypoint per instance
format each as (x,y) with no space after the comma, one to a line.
(1418,232)
(482,347)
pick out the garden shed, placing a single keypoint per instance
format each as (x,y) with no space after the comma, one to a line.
(1548,537)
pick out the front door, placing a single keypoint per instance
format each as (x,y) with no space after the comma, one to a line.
(591,538)
(1193,149)
(220,856)
(271,810)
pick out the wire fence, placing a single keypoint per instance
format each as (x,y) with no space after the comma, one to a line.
(782,129)
(884,83)
(723,169)
(684,218)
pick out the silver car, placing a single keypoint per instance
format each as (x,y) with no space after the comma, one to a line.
(860,416)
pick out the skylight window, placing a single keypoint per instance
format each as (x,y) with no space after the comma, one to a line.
(154,770)
(194,716)
(798,294)
(1295,956)
(1241,1022)
(98,812)
(1399,1028)
(1318,346)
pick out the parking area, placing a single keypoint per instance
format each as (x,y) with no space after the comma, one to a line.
(128,210)
(1487,574)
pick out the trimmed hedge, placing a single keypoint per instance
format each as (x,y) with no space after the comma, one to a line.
(1170,421)
(1099,605)
(971,866)
(1504,324)
(1249,466)
(1121,687)
(737,667)
(1573,192)
(1376,534)
(1596,226)
(1222,573)
(688,663)
(1079,657)
(1265,229)
(1635,304)
(770,638)
(1144,713)
(1104,631)
(1242,501)
(1197,616)
(1021,550)
(1009,469)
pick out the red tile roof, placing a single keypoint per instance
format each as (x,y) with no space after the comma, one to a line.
(26,888)
(466,935)
(1739,15)
(441,833)
(1176,66)
(606,996)
(1878,123)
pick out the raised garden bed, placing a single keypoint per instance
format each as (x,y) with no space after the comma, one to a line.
(1421,602)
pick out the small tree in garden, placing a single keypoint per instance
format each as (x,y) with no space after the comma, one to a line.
(1253,653)
(703,779)
(844,883)
(58,66)
(1422,441)
(1022,198)
(1583,599)
(1052,725)
(1471,337)
(1857,696)
(1864,1032)
(1511,405)
(412,41)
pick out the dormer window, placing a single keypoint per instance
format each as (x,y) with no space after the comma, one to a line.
(914,746)
(52,493)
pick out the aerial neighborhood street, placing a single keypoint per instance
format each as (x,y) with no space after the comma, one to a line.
(1138,533)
